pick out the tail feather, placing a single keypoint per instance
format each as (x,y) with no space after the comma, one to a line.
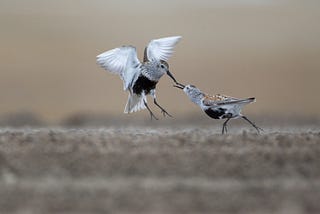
(135,103)
(246,101)
(251,99)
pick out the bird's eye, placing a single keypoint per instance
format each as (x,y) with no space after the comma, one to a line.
(162,66)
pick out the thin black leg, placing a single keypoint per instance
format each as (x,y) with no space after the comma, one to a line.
(224,127)
(163,111)
(254,125)
(151,114)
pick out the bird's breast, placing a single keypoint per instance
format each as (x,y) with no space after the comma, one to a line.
(143,84)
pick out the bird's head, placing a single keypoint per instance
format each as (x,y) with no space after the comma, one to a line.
(164,68)
(194,94)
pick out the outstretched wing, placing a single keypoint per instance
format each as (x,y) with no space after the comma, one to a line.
(161,49)
(219,100)
(122,61)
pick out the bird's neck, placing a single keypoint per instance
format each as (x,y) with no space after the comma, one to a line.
(197,99)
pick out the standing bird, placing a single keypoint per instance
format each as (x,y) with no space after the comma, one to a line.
(218,106)
(141,78)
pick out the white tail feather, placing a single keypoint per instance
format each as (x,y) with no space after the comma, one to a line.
(135,103)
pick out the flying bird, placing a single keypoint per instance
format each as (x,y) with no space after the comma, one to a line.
(141,78)
(218,106)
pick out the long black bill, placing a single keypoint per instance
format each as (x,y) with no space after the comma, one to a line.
(171,76)
(179,85)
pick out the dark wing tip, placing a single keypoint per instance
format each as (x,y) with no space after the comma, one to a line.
(145,55)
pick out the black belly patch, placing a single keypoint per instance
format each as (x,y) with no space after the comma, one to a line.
(143,84)
(218,113)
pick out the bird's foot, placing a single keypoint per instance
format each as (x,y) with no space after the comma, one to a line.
(224,129)
(258,129)
(153,116)
(165,113)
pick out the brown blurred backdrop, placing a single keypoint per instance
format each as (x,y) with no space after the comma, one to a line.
(265,48)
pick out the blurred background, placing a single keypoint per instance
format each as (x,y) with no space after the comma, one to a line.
(264,48)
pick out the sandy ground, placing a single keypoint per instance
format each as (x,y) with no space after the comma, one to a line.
(177,169)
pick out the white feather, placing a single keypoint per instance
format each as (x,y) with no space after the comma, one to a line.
(122,61)
(135,103)
(161,49)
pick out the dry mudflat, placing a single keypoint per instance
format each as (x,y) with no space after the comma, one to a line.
(162,169)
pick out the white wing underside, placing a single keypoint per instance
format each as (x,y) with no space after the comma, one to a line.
(161,49)
(122,61)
